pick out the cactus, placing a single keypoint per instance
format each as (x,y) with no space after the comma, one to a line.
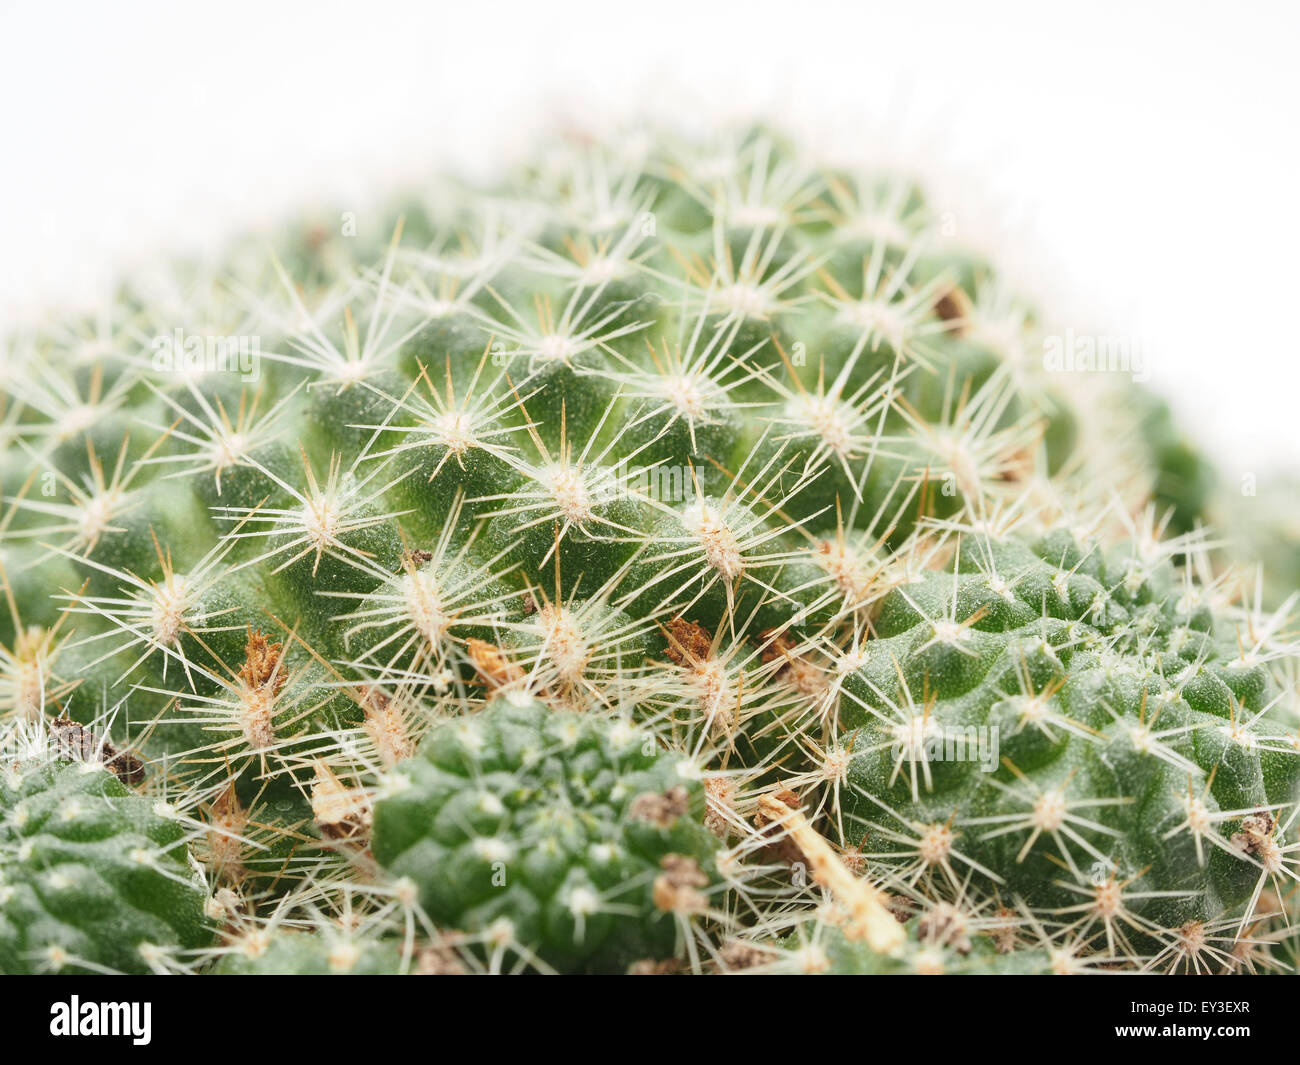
(1132,734)
(577,574)
(604,833)
(93,878)
(307,954)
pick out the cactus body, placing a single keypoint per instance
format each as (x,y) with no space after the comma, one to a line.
(94,879)
(1068,727)
(419,563)
(604,833)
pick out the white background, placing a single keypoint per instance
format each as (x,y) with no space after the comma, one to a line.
(1137,163)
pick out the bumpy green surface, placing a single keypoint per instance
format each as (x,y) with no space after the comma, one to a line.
(309,954)
(639,438)
(534,817)
(1105,682)
(92,879)
(826,951)
(588,377)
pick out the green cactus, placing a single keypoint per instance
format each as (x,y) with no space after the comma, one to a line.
(576,831)
(1078,729)
(92,877)
(1185,480)
(656,455)
(309,954)
(936,948)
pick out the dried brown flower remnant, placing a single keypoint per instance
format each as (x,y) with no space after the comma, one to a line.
(798,672)
(777,646)
(127,766)
(676,889)
(660,809)
(903,908)
(492,664)
(688,642)
(953,306)
(1255,832)
(261,679)
(780,846)
(342,813)
(737,955)
(74,740)
(261,662)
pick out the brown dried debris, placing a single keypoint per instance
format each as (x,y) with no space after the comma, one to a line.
(903,908)
(677,888)
(76,741)
(128,767)
(688,642)
(952,306)
(736,955)
(798,672)
(342,813)
(1256,829)
(496,669)
(660,809)
(262,663)
(780,847)
(775,646)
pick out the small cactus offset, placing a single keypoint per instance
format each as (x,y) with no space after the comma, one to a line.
(576,832)
(672,559)
(95,878)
